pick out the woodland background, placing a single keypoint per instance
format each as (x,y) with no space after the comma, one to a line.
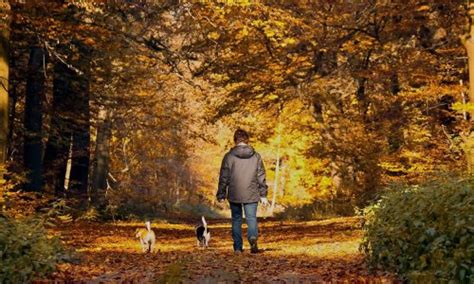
(122,104)
(124,109)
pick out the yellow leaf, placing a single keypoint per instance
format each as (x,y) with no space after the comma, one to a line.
(460,107)
(272,97)
(423,8)
(214,35)
(288,41)
(269,33)
(242,33)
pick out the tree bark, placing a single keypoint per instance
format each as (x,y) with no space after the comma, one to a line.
(317,110)
(57,148)
(101,159)
(284,168)
(361,87)
(275,180)
(4,72)
(277,166)
(469,44)
(80,162)
(362,98)
(81,131)
(33,146)
(12,113)
(395,135)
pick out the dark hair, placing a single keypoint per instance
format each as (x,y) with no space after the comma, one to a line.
(241,135)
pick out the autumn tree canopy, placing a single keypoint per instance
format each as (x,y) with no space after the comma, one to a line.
(118,103)
(123,111)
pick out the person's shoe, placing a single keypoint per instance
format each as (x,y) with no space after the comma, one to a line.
(253,245)
(238,252)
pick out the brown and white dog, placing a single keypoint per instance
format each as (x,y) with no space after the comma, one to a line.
(147,238)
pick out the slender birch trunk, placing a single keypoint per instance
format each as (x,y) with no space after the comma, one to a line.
(277,165)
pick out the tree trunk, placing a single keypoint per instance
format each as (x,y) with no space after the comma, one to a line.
(317,110)
(4,72)
(469,44)
(277,166)
(101,159)
(33,146)
(395,134)
(361,88)
(464,101)
(80,163)
(81,133)
(468,147)
(57,148)
(283,167)
(362,99)
(67,175)
(275,180)
(12,113)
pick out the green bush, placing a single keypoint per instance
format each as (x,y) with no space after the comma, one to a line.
(26,252)
(424,233)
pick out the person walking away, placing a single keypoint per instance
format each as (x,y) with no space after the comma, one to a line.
(242,182)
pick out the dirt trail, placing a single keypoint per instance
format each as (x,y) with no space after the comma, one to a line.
(294,252)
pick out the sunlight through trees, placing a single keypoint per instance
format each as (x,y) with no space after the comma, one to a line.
(123,110)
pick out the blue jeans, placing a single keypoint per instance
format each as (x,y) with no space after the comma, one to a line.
(251,219)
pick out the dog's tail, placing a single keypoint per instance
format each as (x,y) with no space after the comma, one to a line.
(148,226)
(204,223)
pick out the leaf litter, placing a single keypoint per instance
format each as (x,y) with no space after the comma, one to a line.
(293,252)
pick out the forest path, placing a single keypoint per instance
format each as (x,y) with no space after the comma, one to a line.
(294,252)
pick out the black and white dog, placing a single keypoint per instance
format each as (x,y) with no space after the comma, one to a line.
(202,234)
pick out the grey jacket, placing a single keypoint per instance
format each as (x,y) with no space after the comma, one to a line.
(242,176)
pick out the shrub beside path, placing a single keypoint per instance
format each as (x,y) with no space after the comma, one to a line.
(316,251)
